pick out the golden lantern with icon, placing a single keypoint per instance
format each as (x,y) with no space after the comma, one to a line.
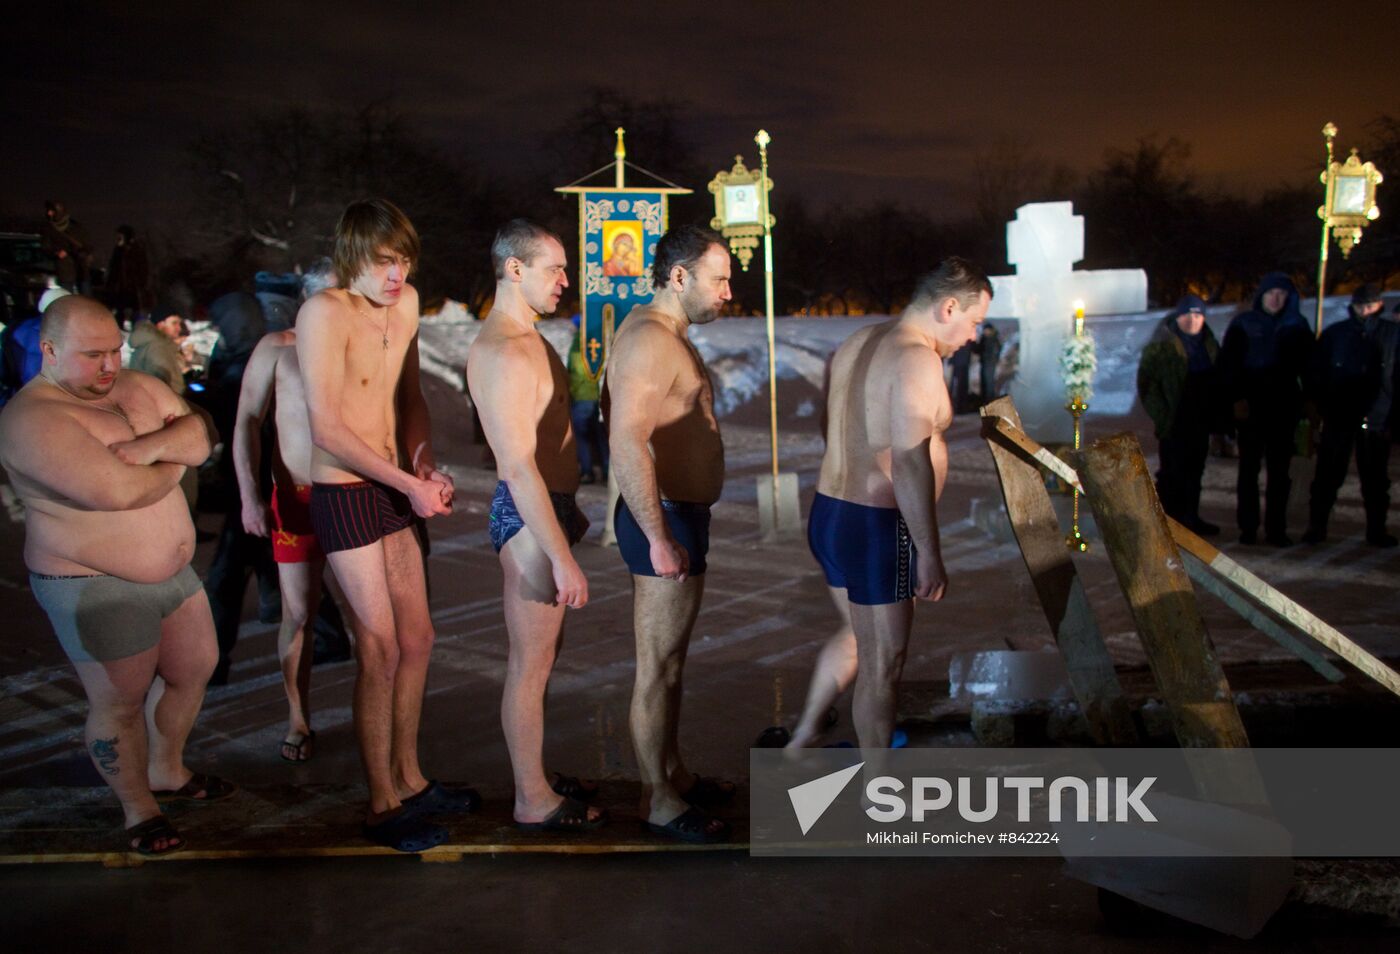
(1348,207)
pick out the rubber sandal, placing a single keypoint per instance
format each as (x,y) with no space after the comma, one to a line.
(570,817)
(405,831)
(148,832)
(571,786)
(773,737)
(200,788)
(302,748)
(707,792)
(439,799)
(691,826)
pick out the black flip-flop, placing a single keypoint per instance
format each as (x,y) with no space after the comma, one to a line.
(690,826)
(571,786)
(200,789)
(439,799)
(773,737)
(148,832)
(405,831)
(707,792)
(570,817)
(301,748)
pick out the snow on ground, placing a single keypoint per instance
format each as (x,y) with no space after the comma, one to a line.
(736,351)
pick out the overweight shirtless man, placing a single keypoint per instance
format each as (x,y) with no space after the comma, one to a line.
(874,522)
(669,462)
(97,453)
(358,350)
(272,378)
(521,389)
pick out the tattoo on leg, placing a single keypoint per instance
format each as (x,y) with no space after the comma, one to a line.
(104,753)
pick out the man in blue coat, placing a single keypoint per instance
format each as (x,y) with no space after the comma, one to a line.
(1262,364)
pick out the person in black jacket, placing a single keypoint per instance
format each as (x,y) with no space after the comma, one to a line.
(1262,363)
(1348,385)
(1176,381)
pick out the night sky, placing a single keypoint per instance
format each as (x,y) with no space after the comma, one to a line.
(864,101)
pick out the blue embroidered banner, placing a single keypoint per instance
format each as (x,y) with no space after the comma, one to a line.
(618,232)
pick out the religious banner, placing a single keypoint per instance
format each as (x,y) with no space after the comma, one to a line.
(619,227)
(618,232)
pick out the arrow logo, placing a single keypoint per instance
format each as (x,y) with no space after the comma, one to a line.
(810,800)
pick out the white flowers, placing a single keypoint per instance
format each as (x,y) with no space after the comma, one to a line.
(1078,362)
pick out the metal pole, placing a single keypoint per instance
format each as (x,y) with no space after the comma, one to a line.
(763,139)
(620,155)
(1329,132)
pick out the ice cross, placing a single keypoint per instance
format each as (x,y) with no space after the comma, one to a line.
(1043,242)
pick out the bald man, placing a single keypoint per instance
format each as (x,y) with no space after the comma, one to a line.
(96,454)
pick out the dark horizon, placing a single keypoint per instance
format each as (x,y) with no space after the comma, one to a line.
(894,106)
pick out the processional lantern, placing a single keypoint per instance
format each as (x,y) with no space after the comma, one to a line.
(1348,207)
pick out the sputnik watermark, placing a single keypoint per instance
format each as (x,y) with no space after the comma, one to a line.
(1156,802)
(1112,799)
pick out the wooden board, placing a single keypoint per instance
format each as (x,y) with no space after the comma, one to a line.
(48,825)
(1289,610)
(1151,574)
(1059,587)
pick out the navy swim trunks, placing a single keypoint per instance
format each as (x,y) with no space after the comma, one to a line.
(867,551)
(689,523)
(349,516)
(506,521)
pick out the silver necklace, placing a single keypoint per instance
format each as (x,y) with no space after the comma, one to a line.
(370,319)
(117,410)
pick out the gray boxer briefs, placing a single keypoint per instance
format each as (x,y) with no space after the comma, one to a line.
(102,618)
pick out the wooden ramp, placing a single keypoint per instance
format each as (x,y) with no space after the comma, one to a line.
(49,825)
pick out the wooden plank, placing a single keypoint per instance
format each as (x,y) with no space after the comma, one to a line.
(1059,588)
(1202,576)
(1150,572)
(58,825)
(1289,610)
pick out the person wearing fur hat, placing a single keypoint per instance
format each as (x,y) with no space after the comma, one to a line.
(1176,381)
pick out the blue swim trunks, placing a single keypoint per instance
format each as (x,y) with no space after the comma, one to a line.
(689,523)
(506,522)
(867,551)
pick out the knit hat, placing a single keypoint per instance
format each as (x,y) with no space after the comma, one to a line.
(1367,294)
(51,296)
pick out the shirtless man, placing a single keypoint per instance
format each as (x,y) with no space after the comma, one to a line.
(97,453)
(357,346)
(874,522)
(521,389)
(273,371)
(669,462)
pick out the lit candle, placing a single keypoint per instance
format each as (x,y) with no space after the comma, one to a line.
(1079,317)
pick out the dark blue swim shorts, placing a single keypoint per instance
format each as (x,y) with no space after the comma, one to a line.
(864,550)
(689,523)
(506,522)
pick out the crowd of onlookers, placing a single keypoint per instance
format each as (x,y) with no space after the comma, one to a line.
(1281,390)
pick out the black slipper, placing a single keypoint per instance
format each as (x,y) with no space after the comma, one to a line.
(405,831)
(690,826)
(707,792)
(200,788)
(439,799)
(773,737)
(302,748)
(148,832)
(571,816)
(571,786)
